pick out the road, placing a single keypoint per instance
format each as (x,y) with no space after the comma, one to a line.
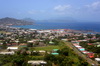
(90,61)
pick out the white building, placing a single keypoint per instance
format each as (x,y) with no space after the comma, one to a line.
(97,59)
(12,48)
(37,62)
(7,53)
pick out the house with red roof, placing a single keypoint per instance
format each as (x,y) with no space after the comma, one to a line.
(90,55)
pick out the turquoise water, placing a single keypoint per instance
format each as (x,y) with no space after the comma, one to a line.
(61,25)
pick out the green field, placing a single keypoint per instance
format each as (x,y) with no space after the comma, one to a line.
(47,48)
(2,32)
(36,57)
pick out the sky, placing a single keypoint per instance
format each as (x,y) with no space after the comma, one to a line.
(82,10)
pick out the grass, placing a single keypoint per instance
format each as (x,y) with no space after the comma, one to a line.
(51,47)
(36,57)
(2,32)
(47,48)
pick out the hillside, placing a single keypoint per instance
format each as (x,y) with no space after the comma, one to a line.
(13,21)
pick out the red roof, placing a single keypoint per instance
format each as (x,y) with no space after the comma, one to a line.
(14,43)
(90,55)
(90,44)
(8,44)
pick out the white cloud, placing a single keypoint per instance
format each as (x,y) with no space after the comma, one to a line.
(62,7)
(94,6)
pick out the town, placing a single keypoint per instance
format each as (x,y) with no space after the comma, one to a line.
(37,43)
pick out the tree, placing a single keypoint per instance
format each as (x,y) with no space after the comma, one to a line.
(97,35)
(19,60)
(89,36)
(30,44)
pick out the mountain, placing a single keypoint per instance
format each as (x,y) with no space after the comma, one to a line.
(13,21)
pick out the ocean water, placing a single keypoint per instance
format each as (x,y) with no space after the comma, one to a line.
(62,25)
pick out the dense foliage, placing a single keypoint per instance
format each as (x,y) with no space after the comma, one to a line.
(92,48)
(66,57)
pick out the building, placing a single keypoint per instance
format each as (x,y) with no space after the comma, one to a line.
(84,52)
(12,48)
(97,59)
(37,62)
(90,55)
(7,53)
(81,49)
(22,45)
(54,52)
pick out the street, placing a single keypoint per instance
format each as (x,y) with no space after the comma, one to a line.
(90,61)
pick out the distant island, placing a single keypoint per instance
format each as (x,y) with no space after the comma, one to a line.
(13,21)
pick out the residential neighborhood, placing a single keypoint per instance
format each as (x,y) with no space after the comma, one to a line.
(33,42)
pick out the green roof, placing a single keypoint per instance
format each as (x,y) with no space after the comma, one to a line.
(55,53)
(23,46)
(55,49)
(98,45)
(51,42)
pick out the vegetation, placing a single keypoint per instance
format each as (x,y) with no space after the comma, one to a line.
(66,57)
(31,50)
(47,48)
(12,21)
(92,48)
(13,60)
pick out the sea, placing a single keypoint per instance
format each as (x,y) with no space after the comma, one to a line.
(93,26)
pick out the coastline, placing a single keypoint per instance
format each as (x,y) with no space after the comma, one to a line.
(41,27)
(72,30)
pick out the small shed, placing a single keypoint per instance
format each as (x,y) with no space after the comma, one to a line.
(55,49)
(7,53)
(22,45)
(37,62)
(84,52)
(12,48)
(55,53)
(51,42)
(42,51)
(90,55)
(98,45)
(77,46)
(81,49)
(97,59)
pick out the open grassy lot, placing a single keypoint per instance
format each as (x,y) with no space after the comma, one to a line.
(51,47)
(37,57)
(47,48)
(2,32)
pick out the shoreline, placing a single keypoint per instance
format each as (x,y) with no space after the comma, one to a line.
(71,30)
(91,31)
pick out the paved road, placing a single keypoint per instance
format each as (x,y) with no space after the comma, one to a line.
(81,55)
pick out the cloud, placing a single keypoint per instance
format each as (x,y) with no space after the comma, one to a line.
(62,7)
(94,6)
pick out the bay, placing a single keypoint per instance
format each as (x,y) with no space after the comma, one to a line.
(64,25)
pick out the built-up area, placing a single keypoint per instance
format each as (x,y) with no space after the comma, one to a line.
(12,39)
